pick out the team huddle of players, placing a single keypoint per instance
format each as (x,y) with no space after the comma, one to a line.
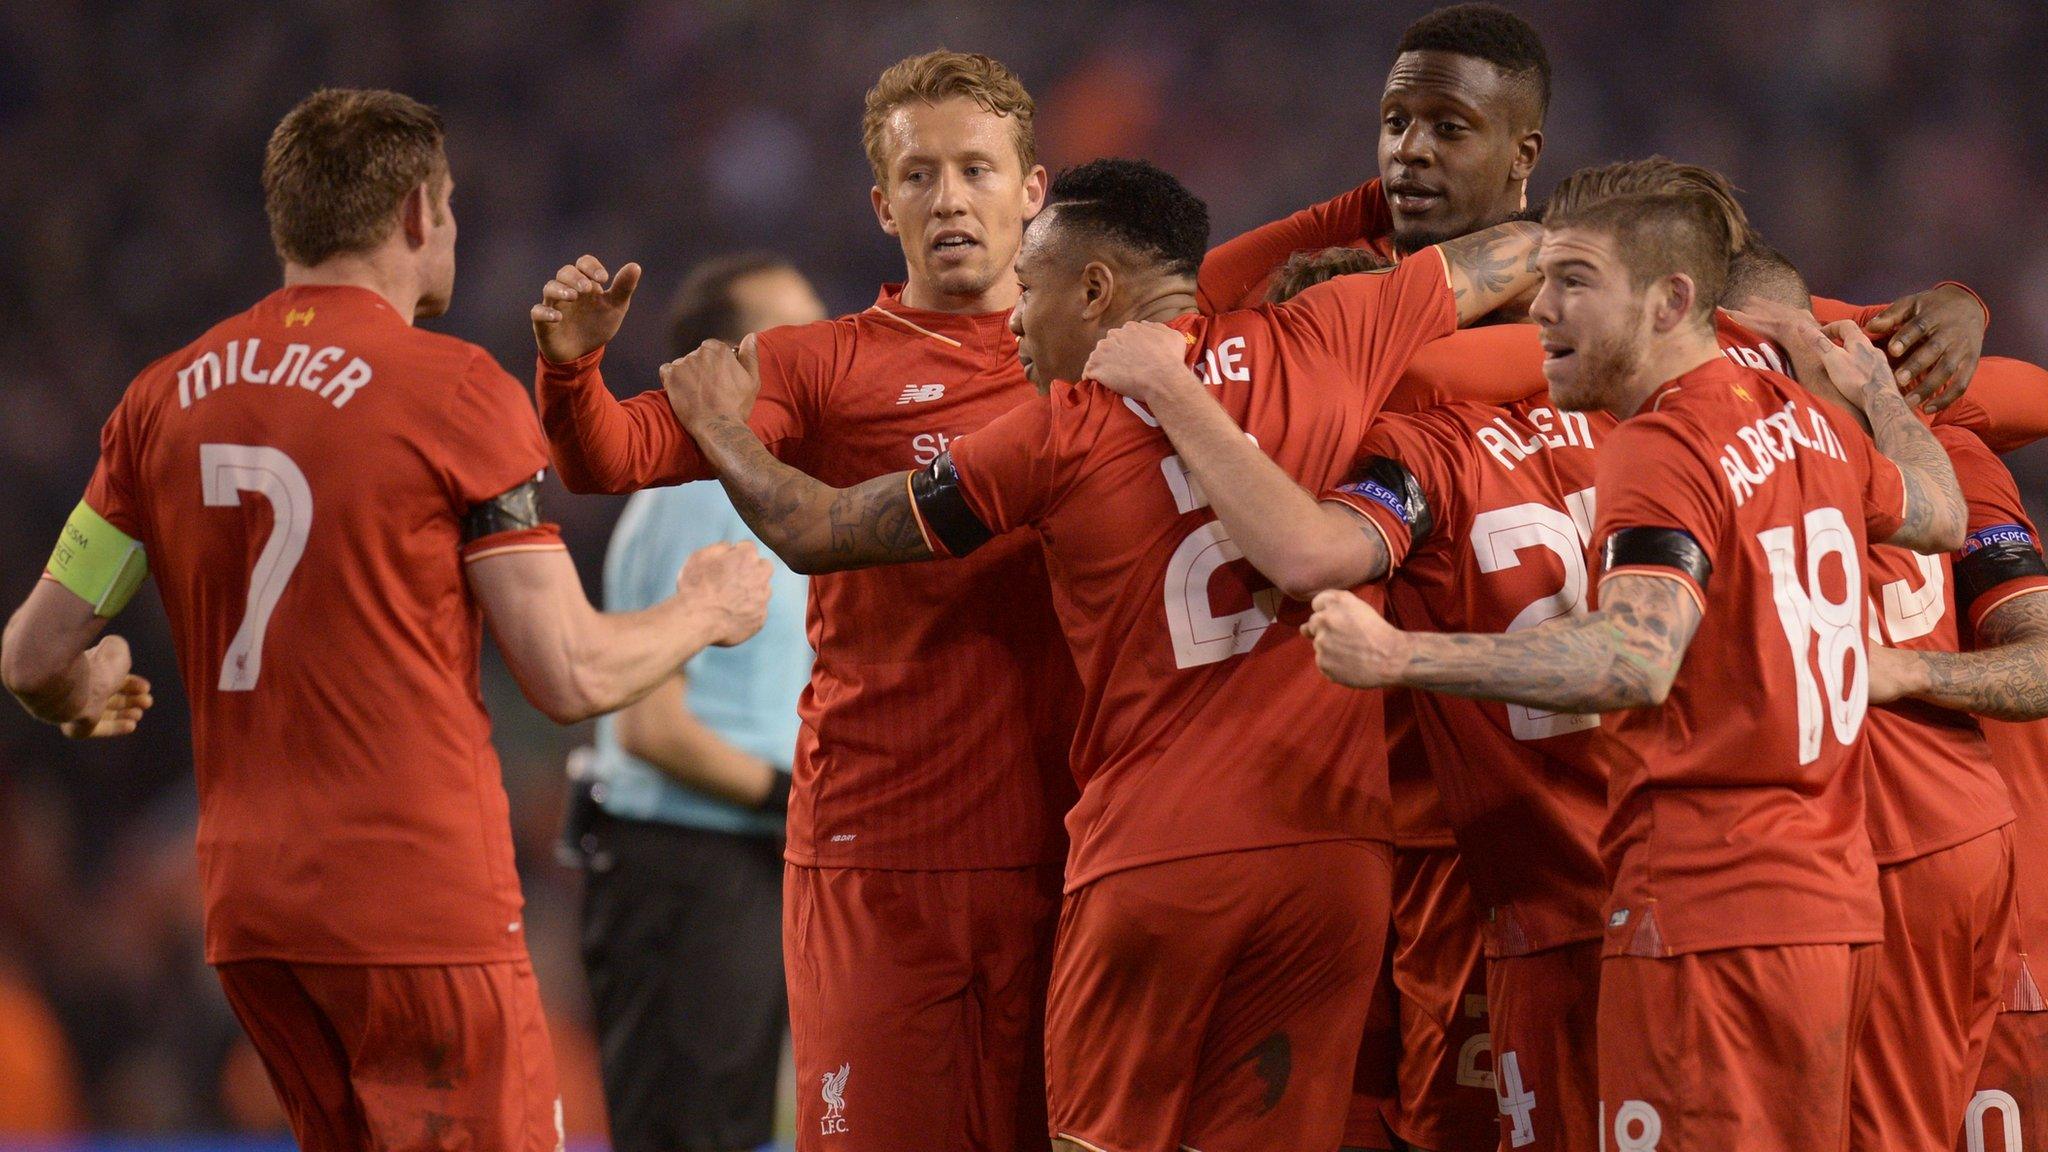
(1424,673)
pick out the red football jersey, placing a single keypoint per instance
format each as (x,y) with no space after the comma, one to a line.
(299,476)
(1933,784)
(1205,725)
(1236,272)
(936,724)
(1736,811)
(2020,750)
(1507,546)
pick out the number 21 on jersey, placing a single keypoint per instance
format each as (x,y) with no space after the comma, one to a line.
(226,471)
(1499,536)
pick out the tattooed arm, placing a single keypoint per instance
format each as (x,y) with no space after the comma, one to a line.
(813,526)
(1301,545)
(2005,677)
(1490,268)
(1625,655)
(1936,517)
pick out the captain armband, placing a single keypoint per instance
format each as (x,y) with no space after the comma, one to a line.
(1991,556)
(942,506)
(100,563)
(509,511)
(1392,486)
(1658,548)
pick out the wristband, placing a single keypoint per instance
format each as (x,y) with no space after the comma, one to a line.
(100,563)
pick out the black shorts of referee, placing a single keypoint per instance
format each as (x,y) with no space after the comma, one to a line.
(682,942)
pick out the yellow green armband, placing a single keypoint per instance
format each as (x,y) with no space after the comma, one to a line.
(98,561)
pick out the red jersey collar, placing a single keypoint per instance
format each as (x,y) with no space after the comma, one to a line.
(947,325)
(1718,370)
(352,298)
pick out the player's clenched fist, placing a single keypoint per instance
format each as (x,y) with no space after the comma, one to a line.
(581,308)
(730,582)
(715,380)
(1355,646)
(1142,360)
(123,696)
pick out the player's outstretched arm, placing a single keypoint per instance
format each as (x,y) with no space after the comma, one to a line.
(1936,517)
(2005,677)
(1625,655)
(55,662)
(599,443)
(1492,267)
(1301,545)
(813,526)
(574,662)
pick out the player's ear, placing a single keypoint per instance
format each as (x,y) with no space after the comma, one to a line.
(416,215)
(883,215)
(1674,300)
(1528,150)
(1098,284)
(1034,191)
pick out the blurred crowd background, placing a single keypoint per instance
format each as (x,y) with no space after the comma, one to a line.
(1882,145)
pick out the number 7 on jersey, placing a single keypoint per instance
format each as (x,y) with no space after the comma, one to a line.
(226,471)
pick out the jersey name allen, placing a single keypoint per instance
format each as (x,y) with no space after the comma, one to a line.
(298,364)
(1554,429)
(1774,440)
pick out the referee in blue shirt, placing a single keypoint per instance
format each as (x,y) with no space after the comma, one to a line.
(682,912)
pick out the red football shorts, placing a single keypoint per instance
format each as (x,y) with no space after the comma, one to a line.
(2010,1110)
(917,1006)
(1446,1101)
(1376,1081)
(1216,1002)
(402,1056)
(1742,1048)
(1947,951)
(1545,1011)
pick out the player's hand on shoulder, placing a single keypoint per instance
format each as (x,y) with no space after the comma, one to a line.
(1355,646)
(1143,360)
(581,308)
(124,696)
(729,582)
(1855,366)
(1934,339)
(715,380)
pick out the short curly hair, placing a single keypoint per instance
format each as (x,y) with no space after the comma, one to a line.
(1138,205)
(1486,32)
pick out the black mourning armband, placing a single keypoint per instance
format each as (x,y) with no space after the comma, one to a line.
(1392,486)
(943,508)
(508,511)
(1992,556)
(1660,548)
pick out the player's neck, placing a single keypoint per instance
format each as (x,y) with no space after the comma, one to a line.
(1000,296)
(375,271)
(1164,305)
(1665,361)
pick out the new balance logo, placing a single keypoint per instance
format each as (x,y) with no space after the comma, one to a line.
(834,1092)
(920,393)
